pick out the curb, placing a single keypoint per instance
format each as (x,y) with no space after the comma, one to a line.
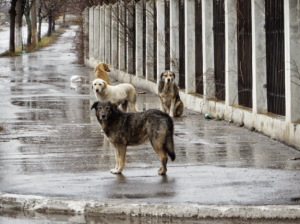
(96,208)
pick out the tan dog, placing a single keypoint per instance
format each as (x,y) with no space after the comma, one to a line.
(168,93)
(123,94)
(101,72)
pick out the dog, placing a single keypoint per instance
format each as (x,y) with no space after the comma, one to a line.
(101,72)
(129,129)
(168,93)
(123,94)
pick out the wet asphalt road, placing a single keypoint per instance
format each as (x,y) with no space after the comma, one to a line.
(51,145)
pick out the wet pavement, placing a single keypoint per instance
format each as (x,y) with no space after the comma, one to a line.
(16,217)
(51,145)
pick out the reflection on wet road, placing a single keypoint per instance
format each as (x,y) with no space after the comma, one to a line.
(51,145)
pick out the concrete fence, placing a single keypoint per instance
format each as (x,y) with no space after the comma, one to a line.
(110,41)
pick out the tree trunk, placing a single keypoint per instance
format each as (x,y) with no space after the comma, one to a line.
(13,14)
(53,25)
(28,20)
(49,25)
(18,26)
(33,24)
(40,23)
(64,20)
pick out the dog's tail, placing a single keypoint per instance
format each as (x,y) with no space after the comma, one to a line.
(169,142)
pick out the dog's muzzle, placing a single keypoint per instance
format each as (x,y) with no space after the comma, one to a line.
(97,90)
(168,80)
(103,117)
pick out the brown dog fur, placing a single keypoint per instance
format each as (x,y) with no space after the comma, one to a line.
(101,72)
(129,129)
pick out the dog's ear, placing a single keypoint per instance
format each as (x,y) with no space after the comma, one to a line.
(114,107)
(105,84)
(106,68)
(173,75)
(161,75)
(94,106)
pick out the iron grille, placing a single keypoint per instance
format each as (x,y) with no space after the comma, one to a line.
(154,41)
(125,36)
(134,39)
(167,34)
(275,56)
(244,37)
(181,45)
(198,47)
(219,47)
(144,40)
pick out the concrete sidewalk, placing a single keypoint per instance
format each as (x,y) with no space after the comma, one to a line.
(51,146)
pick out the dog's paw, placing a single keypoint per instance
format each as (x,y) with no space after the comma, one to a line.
(162,172)
(113,170)
(116,171)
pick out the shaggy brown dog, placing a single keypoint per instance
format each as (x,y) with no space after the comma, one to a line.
(129,129)
(101,72)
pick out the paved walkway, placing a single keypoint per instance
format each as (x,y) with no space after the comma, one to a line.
(51,146)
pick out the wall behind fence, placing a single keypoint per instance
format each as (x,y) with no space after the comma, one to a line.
(229,58)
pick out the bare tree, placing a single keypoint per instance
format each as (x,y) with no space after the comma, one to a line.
(27,9)
(13,13)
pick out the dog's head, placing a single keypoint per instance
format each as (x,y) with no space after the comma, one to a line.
(167,77)
(99,85)
(105,67)
(104,109)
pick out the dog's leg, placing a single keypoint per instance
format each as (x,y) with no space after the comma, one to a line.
(124,106)
(172,107)
(162,108)
(164,161)
(121,150)
(117,160)
(178,109)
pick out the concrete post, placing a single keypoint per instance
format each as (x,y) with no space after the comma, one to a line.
(130,37)
(292,60)
(85,16)
(259,75)
(122,36)
(91,32)
(149,40)
(18,27)
(107,33)
(208,50)
(231,70)
(102,34)
(189,54)
(160,5)
(139,38)
(114,35)
(96,32)
(174,38)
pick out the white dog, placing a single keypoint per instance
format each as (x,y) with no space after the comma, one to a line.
(123,94)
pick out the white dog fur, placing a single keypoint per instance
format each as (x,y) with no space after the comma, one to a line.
(123,94)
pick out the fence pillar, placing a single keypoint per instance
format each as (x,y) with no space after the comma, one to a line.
(149,41)
(91,32)
(130,37)
(114,36)
(107,33)
(161,48)
(102,34)
(85,15)
(292,61)
(122,39)
(259,69)
(174,38)
(189,54)
(208,50)
(96,32)
(139,37)
(231,72)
